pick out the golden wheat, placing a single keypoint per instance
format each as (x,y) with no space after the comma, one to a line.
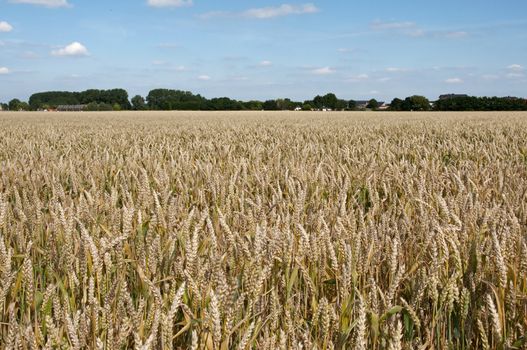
(263,231)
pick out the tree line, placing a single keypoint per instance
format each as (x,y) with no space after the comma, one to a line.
(459,103)
(167,99)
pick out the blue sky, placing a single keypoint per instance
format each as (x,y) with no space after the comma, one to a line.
(265,49)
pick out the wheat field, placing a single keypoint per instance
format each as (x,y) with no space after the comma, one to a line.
(239,230)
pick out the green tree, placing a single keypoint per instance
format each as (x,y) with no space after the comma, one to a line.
(330,101)
(318,102)
(307,107)
(472,103)
(396,104)
(116,96)
(352,105)
(253,105)
(341,105)
(105,107)
(92,107)
(221,104)
(165,99)
(90,96)
(270,105)
(56,98)
(17,105)
(52,99)
(284,104)
(138,103)
(14,104)
(416,103)
(373,104)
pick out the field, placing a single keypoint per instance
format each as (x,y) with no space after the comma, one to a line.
(263,230)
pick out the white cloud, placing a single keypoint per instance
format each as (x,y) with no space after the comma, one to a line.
(345,50)
(440,34)
(204,78)
(323,71)
(417,33)
(384,80)
(374,92)
(516,71)
(266,12)
(396,69)
(4,71)
(357,78)
(413,30)
(454,81)
(516,68)
(380,25)
(283,10)
(46,3)
(170,3)
(266,63)
(405,28)
(5,27)
(74,49)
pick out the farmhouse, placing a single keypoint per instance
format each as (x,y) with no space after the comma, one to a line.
(71,108)
(361,104)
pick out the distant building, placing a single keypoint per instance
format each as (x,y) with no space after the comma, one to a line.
(451,96)
(361,104)
(71,108)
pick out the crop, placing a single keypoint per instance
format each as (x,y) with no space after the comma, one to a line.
(263,231)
